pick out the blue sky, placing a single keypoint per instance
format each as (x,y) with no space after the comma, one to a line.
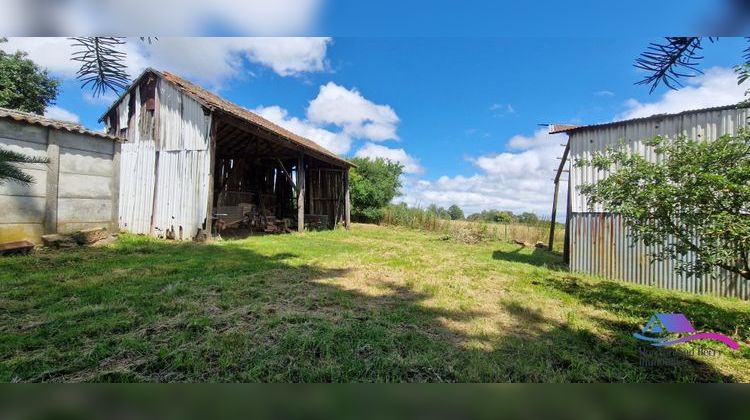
(461,113)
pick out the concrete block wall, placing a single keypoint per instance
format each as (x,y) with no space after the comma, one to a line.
(78,189)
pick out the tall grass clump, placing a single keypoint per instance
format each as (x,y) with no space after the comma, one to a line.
(471,231)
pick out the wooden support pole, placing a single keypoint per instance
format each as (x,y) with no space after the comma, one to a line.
(553,222)
(301,193)
(347,204)
(560,170)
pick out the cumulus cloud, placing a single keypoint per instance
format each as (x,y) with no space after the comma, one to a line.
(337,116)
(339,143)
(164,17)
(58,113)
(373,151)
(358,116)
(717,87)
(517,180)
(207,60)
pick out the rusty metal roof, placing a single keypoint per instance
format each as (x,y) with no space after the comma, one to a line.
(39,120)
(562,128)
(217,103)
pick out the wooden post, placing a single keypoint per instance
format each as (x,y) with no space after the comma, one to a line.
(301,193)
(53,178)
(552,222)
(211,170)
(554,216)
(347,204)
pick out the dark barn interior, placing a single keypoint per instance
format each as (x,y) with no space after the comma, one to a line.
(263,182)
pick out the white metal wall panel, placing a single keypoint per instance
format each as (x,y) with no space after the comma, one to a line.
(196,125)
(181,192)
(170,117)
(137,162)
(699,125)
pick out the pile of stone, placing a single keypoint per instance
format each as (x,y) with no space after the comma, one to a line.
(85,237)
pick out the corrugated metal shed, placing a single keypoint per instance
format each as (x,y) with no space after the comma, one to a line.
(600,243)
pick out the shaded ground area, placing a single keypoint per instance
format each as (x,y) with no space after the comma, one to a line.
(372,304)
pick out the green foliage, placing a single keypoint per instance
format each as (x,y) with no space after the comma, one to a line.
(9,170)
(373,185)
(503,217)
(698,194)
(455,212)
(24,85)
(528,218)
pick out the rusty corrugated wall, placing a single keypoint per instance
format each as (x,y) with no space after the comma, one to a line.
(600,244)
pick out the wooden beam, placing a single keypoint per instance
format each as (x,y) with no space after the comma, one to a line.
(560,170)
(301,193)
(347,205)
(276,138)
(289,177)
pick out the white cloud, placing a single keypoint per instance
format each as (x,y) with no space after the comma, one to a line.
(167,17)
(339,143)
(358,116)
(502,109)
(58,113)
(206,60)
(717,87)
(338,115)
(372,151)
(604,93)
(517,181)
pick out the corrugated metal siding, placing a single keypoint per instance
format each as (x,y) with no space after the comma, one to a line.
(181,192)
(137,162)
(702,125)
(166,181)
(600,244)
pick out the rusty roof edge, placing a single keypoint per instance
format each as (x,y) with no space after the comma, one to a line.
(69,126)
(573,129)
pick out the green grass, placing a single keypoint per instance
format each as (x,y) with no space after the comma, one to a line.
(371,304)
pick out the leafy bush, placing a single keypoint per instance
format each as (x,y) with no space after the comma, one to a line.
(374,183)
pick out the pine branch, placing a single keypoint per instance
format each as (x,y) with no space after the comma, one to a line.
(102,64)
(667,63)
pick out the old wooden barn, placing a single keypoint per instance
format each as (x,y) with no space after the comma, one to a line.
(195,164)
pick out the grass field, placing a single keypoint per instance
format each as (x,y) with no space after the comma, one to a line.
(371,304)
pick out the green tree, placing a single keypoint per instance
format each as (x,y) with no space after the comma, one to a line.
(528,218)
(373,184)
(698,195)
(504,217)
(23,85)
(455,212)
